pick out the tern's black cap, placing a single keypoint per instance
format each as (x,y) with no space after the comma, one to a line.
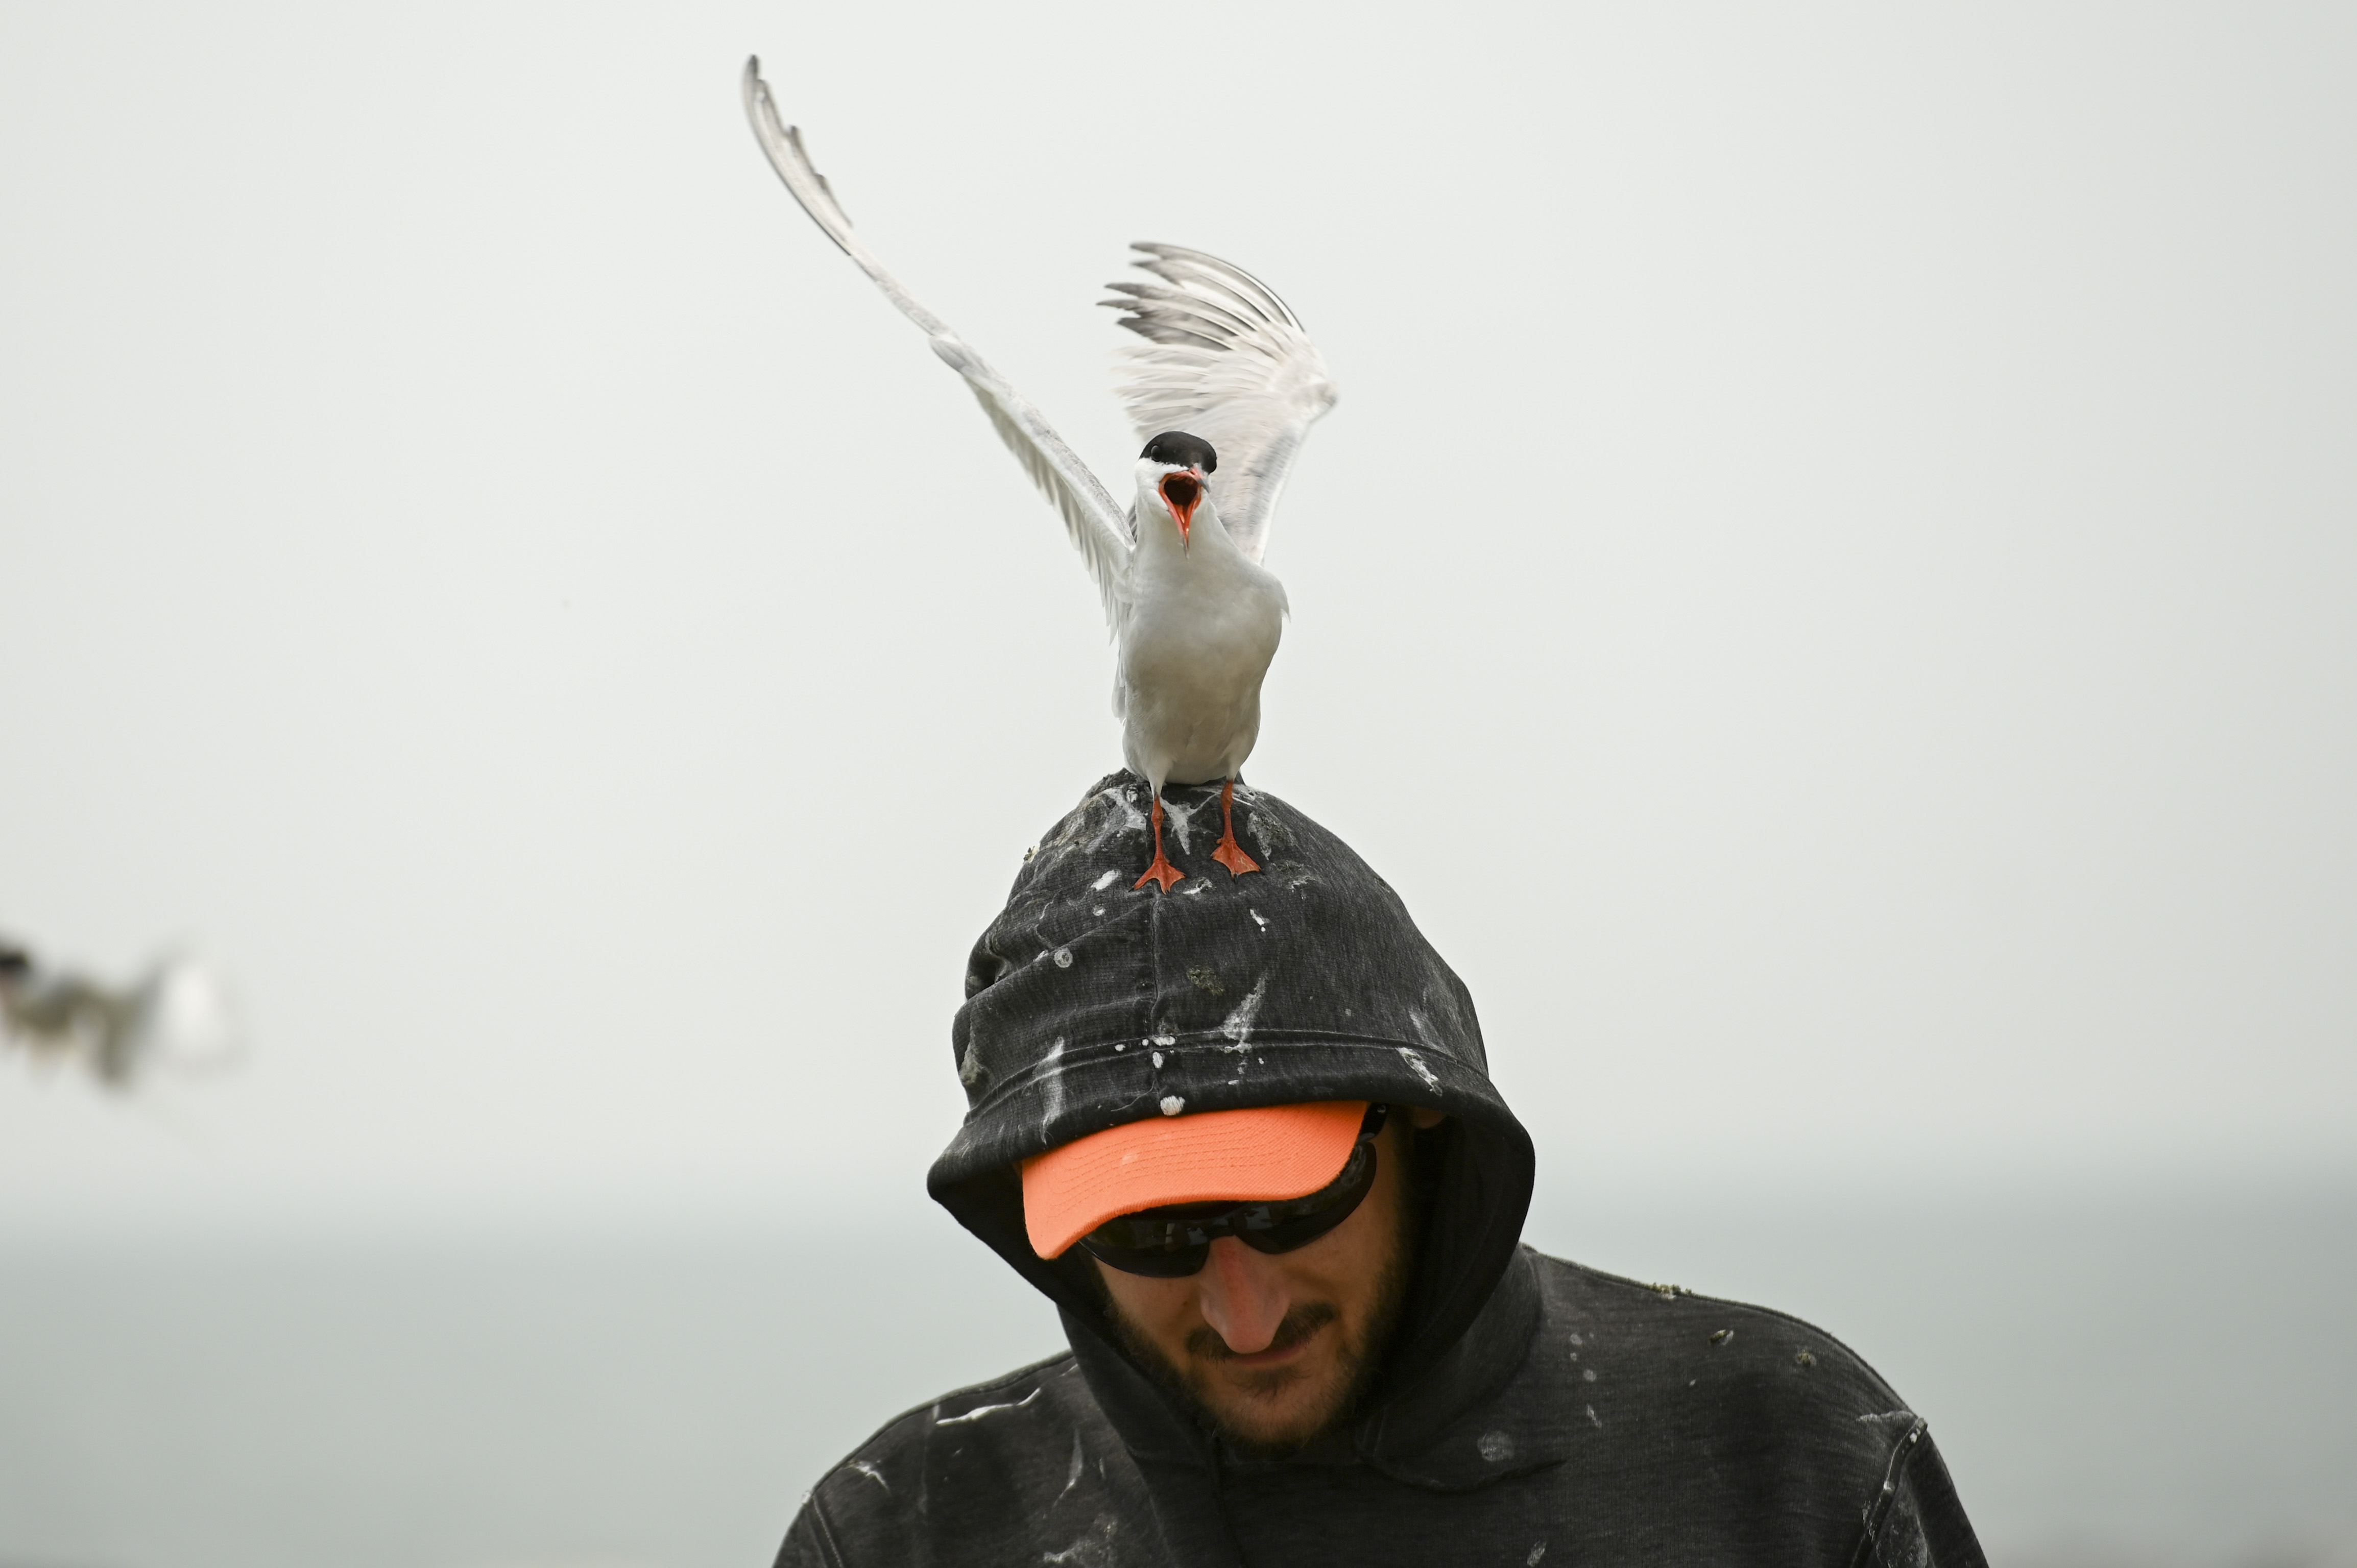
(1186,451)
(1090,1003)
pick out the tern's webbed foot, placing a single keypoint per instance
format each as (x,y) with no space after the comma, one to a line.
(1161,870)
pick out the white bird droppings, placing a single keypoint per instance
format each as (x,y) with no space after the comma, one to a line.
(980,1411)
(1238,1025)
(1157,1059)
(1497,1447)
(1172,1104)
(1053,1071)
(1422,1071)
(1107,880)
(1063,958)
(1257,918)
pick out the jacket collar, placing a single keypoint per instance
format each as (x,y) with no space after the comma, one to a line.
(1487,1409)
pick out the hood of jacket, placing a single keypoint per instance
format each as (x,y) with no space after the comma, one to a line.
(1089,1005)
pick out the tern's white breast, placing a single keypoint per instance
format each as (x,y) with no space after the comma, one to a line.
(1201,631)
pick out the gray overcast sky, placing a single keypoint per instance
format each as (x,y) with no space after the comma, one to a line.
(1827,589)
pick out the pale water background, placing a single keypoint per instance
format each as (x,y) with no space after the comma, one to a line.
(2138,1379)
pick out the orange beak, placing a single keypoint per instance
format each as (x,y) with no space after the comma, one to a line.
(1183,493)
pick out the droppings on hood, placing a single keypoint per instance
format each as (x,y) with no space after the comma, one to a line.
(970,1069)
(1179,821)
(1258,919)
(1051,1069)
(1206,978)
(1173,1103)
(1163,1037)
(1594,1420)
(872,1473)
(1073,1479)
(1237,1026)
(1098,910)
(1157,1059)
(1196,891)
(1268,826)
(1124,818)
(1063,958)
(1107,880)
(1538,1549)
(1497,1447)
(1722,1337)
(1415,1063)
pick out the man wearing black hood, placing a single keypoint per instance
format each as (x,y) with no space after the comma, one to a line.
(1244,1136)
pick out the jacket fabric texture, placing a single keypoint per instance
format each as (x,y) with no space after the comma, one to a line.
(1528,1410)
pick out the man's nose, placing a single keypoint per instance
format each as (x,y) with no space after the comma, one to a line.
(1241,1295)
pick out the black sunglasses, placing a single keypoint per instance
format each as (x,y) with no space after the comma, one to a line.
(1172,1242)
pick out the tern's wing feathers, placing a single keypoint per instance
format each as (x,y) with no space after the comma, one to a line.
(1224,359)
(1095,523)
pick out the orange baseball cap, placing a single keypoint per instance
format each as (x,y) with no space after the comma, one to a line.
(1266,1152)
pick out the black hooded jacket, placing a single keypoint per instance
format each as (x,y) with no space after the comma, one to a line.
(1529,1410)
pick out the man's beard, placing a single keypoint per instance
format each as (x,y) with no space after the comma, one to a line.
(1360,1360)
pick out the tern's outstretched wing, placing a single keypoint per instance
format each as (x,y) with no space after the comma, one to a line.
(1224,359)
(1095,523)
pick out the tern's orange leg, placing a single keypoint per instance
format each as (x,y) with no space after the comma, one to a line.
(1161,871)
(1230,853)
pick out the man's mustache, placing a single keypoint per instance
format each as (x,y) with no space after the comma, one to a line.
(1205,1344)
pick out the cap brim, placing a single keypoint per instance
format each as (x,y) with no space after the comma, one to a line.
(1267,1152)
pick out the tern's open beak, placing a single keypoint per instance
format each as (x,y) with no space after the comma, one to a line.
(1183,493)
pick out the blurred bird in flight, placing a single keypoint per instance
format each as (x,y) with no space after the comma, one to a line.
(177,1016)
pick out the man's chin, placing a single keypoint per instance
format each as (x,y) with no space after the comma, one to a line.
(1272,1414)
